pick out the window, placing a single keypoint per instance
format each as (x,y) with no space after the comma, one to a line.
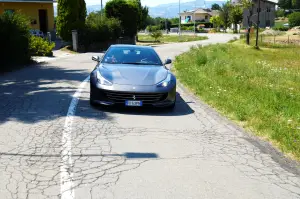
(130,55)
(268,23)
(206,17)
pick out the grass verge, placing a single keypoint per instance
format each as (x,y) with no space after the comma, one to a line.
(260,89)
(170,38)
(68,49)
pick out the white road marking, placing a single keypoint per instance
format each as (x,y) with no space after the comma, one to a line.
(66,174)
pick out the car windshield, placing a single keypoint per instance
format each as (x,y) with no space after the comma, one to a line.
(131,55)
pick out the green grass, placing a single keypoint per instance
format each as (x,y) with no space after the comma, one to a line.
(280,23)
(259,89)
(171,38)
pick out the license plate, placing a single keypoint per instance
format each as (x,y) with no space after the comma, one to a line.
(133,103)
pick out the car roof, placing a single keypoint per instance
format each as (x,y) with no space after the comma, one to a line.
(130,46)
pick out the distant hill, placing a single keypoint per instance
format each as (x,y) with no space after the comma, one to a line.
(172,9)
(165,10)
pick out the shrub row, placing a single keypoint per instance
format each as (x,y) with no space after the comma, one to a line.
(98,31)
(206,24)
(14,39)
(17,45)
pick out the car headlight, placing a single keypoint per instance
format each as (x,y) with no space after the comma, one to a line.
(165,82)
(102,80)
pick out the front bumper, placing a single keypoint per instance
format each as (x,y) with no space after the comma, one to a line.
(118,94)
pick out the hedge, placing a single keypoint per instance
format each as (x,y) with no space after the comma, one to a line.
(206,24)
(99,32)
(14,39)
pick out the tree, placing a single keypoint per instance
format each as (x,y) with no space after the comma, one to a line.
(125,11)
(289,4)
(174,20)
(156,35)
(225,14)
(236,16)
(280,13)
(216,21)
(215,6)
(165,24)
(143,14)
(14,38)
(294,19)
(71,16)
(248,5)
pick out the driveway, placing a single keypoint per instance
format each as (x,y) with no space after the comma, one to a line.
(53,144)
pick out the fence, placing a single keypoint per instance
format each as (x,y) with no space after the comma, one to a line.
(274,39)
(280,39)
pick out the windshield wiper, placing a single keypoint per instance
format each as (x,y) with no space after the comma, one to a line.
(139,63)
(136,63)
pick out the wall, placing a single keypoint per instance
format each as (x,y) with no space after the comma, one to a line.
(31,10)
(264,15)
(198,16)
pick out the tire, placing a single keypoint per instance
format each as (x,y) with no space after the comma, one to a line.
(92,103)
(172,106)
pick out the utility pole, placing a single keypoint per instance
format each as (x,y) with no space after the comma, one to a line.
(195,18)
(179,28)
(101,12)
(257,24)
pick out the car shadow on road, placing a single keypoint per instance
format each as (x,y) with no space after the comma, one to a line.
(39,92)
(181,108)
(127,155)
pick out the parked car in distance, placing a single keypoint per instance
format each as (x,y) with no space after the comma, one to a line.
(130,75)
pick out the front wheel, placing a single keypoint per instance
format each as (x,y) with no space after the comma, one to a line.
(172,107)
(92,102)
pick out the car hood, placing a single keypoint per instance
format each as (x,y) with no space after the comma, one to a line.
(139,75)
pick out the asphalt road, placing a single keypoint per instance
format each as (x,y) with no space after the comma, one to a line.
(53,144)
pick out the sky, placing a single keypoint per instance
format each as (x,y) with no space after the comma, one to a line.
(144,2)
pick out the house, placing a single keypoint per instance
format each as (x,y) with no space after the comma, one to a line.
(40,12)
(267,13)
(199,14)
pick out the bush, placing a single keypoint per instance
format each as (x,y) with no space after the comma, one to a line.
(294,19)
(189,28)
(127,13)
(280,13)
(71,16)
(206,24)
(153,28)
(14,39)
(280,28)
(201,30)
(213,30)
(40,47)
(156,35)
(98,31)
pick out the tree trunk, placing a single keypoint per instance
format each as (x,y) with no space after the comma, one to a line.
(248,36)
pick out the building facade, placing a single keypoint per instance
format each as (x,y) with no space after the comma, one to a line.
(267,13)
(40,12)
(199,15)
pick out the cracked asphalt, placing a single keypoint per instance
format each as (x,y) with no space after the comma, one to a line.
(192,152)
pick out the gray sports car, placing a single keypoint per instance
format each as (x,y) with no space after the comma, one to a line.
(132,75)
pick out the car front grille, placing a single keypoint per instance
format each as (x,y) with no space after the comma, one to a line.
(146,98)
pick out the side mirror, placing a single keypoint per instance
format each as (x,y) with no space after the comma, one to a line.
(168,61)
(96,58)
